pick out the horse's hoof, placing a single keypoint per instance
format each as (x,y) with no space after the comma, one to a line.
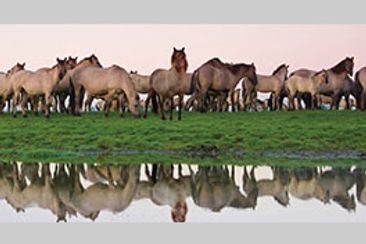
(171,118)
(179,118)
(25,116)
(47,116)
(14,115)
(106,115)
(163,118)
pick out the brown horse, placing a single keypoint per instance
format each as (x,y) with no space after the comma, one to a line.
(142,82)
(337,76)
(168,83)
(34,84)
(222,78)
(6,88)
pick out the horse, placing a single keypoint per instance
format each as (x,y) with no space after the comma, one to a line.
(216,76)
(100,196)
(267,84)
(338,182)
(39,83)
(62,89)
(6,88)
(337,75)
(141,82)
(300,84)
(360,78)
(39,192)
(163,189)
(106,83)
(168,83)
(276,187)
(305,184)
(213,188)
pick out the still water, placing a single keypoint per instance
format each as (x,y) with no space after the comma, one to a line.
(180,193)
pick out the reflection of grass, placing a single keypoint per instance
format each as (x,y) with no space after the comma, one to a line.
(62,137)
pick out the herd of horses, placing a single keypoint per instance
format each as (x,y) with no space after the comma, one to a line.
(87,190)
(211,87)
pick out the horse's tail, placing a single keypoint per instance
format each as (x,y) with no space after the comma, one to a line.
(357,78)
(72,97)
(195,82)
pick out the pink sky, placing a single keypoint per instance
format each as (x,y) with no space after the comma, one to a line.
(147,47)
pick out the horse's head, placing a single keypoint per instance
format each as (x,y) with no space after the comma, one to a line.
(282,71)
(94,60)
(179,60)
(349,64)
(252,74)
(15,69)
(179,212)
(134,106)
(60,67)
(71,63)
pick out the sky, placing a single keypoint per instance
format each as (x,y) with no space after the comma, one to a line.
(147,47)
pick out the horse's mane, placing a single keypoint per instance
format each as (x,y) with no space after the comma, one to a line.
(340,67)
(234,68)
(278,69)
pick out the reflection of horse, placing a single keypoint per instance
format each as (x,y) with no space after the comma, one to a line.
(40,192)
(213,188)
(338,182)
(276,187)
(100,196)
(304,184)
(360,176)
(165,190)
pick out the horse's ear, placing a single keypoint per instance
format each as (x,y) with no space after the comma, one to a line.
(23,65)
(252,64)
(58,60)
(183,49)
(352,58)
(174,49)
(287,66)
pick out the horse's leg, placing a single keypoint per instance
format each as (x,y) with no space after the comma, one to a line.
(180,105)
(14,103)
(23,104)
(161,102)
(88,102)
(48,104)
(232,94)
(2,104)
(313,101)
(171,107)
(76,101)
(62,97)
(362,100)
(147,101)
(108,103)
(35,105)
(346,97)
(122,105)
(190,102)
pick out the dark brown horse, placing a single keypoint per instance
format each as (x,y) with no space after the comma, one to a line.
(168,83)
(222,78)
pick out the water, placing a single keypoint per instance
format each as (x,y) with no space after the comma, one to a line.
(180,193)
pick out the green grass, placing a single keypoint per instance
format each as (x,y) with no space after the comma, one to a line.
(65,138)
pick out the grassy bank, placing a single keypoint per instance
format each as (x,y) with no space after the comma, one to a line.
(67,138)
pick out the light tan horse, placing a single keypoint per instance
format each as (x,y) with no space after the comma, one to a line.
(168,83)
(106,83)
(40,83)
(6,87)
(300,84)
(216,76)
(142,82)
(267,84)
(337,77)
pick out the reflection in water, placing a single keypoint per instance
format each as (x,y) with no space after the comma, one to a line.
(68,190)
